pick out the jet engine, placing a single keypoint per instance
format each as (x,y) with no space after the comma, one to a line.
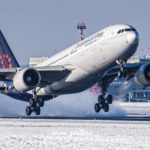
(26,79)
(142,76)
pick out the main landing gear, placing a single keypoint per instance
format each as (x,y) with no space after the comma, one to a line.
(35,105)
(103,103)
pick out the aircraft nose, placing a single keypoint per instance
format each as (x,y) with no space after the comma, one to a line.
(133,38)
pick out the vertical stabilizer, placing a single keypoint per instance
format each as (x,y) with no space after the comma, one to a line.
(7,58)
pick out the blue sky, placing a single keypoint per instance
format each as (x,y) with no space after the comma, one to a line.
(44,27)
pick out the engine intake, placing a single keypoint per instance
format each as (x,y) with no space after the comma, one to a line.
(26,79)
(142,76)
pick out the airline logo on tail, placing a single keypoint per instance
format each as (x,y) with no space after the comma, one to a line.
(7,58)
(5,61)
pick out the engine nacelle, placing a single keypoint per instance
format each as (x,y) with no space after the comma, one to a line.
(26,79)
(142,76)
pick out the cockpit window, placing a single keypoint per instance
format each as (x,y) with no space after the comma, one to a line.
(133,29)
(120,31)
(126,30)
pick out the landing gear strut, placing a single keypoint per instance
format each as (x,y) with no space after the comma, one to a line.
(34,105)
(104,100)
(121,64)
(103,103)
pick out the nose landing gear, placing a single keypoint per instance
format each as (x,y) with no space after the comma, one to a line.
(121,64)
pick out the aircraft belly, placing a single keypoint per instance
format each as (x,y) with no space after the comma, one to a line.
(74,87)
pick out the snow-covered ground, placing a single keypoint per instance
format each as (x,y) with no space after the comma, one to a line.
(73,135)
(18,134)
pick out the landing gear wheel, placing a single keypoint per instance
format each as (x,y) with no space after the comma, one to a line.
(101,99)
(28,110)
(37,110)
(97,107)
(106,107)
(109,99)
(32,102)
(40,102)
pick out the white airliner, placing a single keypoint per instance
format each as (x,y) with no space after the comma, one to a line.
(99,58)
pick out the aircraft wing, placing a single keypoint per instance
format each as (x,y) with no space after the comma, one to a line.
(130,69)
(112,74)
(48,74)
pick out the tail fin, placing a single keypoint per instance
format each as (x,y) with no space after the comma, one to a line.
(7,58)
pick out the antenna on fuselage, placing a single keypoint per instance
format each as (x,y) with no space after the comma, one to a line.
(81,27)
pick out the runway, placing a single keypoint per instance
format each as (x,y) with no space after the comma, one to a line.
(131,131)
(125,118)
(73,134)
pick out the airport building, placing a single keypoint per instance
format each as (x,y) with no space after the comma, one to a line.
(36,60)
